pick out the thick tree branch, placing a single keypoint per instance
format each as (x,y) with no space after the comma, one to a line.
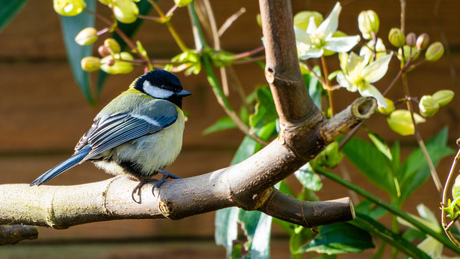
(248,185)
(11,234)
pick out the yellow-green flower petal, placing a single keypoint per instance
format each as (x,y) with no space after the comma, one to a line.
(377,69)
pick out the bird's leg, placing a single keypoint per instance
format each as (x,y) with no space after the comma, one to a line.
(138,187)
(166,175)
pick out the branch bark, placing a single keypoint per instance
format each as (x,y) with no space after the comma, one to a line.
(248,185)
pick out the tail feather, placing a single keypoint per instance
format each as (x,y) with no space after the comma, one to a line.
(62,167)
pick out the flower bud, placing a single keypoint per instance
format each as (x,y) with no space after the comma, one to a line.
(69,7)
(422,41)
(86,36)
(400,121)
(409,52)
(368,49)
(330,156)
(443,97)
(434,51)
(389,109)
(411,39)
(302,19)
(90,64)
(368,23)
(182,3)
(396,37)
(103,51)
(428,106)
(125,11)
(117,65)
(112,45)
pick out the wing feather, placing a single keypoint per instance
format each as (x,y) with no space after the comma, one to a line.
(114,130)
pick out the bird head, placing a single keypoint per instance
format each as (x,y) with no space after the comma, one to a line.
(161,84)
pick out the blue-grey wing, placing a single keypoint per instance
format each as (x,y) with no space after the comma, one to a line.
(114,130)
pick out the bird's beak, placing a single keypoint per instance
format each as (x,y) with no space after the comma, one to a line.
(184,93)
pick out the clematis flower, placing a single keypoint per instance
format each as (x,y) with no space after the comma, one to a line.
(312,42)
(357,74)
(430,245)
(379,49)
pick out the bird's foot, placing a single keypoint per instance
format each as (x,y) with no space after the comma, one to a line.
(166,175)
(138,187)
(158,183)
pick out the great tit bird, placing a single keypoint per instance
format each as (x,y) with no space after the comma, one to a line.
(137,134)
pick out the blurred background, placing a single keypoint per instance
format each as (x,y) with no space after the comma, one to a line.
(43,115)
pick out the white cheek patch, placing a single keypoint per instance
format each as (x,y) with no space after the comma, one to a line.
(156,91)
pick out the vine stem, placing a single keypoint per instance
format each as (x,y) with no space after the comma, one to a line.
(418,137)
(171,29)
(389,207)
(214,82)
(120,33)
(328,85)
(314,73)
(447,187)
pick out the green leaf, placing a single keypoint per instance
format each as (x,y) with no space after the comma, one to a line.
(8,10)
(380,144)
(374,165)
(370,209)
(71,26)
(285,188)
(299,238)
(368,224)
(395,154)
(226,223)
(246,149)
(308,178)
(415,172)
(261,240)
(265,111)
(340,238)
(220,125)
(129,29)
(286,226)
(315,88)
(412,234)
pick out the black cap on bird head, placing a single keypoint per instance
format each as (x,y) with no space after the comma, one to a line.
(162,84)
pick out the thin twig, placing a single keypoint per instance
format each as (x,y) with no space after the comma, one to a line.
(418,137)
(320,79)
(328,85)
(249,60)
(230,20)
(447,188)
(171,29)
(249,53)
(120,33)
